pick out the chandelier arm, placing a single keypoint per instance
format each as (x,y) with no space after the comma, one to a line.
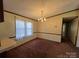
(42,18)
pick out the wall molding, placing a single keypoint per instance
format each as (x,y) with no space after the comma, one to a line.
(46,17)
(19,15)
(63,13)
(48,33)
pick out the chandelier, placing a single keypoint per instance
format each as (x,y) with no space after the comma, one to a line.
(42,17)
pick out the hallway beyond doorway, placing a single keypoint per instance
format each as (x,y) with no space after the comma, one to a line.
(70,28)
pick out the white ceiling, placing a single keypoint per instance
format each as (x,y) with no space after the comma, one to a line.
(32,8)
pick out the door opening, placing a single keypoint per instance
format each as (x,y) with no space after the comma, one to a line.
(69,33)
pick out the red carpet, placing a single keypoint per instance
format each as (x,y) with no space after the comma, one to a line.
(40,48)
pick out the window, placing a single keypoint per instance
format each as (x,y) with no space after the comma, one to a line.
(20,29)
(28,28)
(23,29)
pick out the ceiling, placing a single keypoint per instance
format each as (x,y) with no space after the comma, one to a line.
(32,8)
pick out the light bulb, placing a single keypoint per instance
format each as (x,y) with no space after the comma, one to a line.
(44,19)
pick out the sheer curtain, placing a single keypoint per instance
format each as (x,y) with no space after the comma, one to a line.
(29,29)
(20,29)
(23,29)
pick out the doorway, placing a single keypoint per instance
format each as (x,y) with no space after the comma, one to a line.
(66,31)
(70,26)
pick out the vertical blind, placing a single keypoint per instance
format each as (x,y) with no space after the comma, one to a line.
(23,29)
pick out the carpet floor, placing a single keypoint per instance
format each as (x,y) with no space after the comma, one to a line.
(41,48)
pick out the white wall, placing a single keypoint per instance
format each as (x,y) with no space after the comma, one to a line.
(52,26)
(73,30)
(77,44)
(7,28)
(78,31)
